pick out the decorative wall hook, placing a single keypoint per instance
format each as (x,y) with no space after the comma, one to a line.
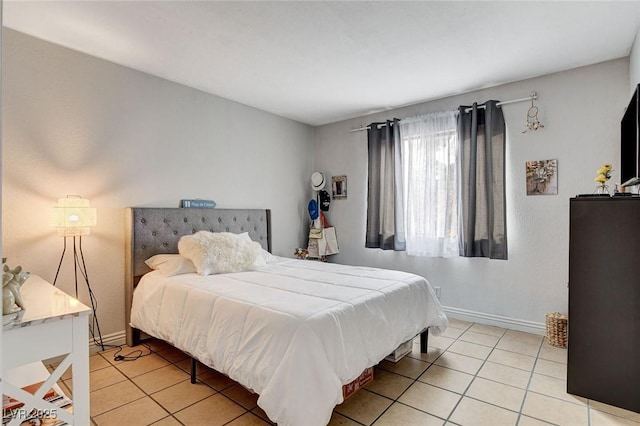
(532,116)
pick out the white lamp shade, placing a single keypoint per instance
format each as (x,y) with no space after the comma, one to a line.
(73,216)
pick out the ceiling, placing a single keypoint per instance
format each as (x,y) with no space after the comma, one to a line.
(321,62)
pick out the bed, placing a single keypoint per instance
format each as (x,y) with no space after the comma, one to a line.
(293,331)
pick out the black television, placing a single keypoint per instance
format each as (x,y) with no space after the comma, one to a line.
(630,142)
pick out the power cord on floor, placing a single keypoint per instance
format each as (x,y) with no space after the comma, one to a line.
(133,355)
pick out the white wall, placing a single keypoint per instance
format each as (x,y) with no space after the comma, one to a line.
(74,124)
(581,110)
(634,63)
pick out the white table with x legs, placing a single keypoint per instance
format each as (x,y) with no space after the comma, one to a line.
(54,324)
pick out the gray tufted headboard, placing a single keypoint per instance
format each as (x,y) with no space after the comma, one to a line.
(150,230)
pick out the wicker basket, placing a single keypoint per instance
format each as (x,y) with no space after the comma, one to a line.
(557,329)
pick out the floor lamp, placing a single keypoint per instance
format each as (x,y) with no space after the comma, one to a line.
(73,218)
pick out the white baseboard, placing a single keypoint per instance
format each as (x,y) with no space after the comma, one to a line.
(112,339)
(496,320)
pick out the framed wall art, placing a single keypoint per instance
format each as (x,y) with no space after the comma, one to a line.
(339,187)
(542,177)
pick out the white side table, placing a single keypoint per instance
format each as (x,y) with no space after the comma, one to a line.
(54,324)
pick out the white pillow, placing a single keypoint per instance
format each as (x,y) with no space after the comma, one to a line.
(221,252)
(268,257)
(170,264)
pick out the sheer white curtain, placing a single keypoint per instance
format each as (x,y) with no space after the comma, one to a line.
(430,184)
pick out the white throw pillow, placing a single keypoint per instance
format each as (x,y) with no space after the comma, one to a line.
(221,252)
(170,264)
(268,257)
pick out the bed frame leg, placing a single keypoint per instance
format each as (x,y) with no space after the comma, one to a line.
(193,370)
(132,336)
(424,340)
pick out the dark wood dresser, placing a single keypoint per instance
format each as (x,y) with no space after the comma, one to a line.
(604,300)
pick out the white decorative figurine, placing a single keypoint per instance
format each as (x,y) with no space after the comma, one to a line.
(12,301)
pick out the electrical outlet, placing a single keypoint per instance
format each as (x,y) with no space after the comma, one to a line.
(438,291)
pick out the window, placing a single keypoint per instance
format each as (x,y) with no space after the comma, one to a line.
(430,184)
(437,184)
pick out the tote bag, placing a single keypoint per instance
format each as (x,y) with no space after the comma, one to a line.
(328,244)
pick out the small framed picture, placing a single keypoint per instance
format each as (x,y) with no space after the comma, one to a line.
(339,187)
(542,177)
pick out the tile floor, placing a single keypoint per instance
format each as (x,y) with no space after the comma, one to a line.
(473,375)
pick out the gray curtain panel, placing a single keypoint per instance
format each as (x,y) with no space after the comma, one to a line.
(481,134)
(385,223)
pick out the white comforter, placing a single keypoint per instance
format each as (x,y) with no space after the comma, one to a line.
(294,331)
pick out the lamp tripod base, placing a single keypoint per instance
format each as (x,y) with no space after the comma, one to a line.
(80,266)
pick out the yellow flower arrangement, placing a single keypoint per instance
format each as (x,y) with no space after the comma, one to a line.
(604,174)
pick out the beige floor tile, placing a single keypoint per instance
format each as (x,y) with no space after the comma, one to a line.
(470,349)
(440,342)
(519,346)
(248,419)
(599,418)
(141,365)
(488,329)
(505,374)
(402,415)
(459,362)
(364,406)
(479,338)
(159,379)
(66,387)
(554,410)
(431,399)
(167,421)
(512,359)
(104,377)
(476,413)
(496,393)
(620,412)
(240,395)
(388,384)
(340,420)
(430,356)
(200,413)
(451,333)
(68,373)
(216,380)
(107,354)
(446,378)
(97,362)
(554,387)
(114,396)
(553,354)
(407,366)
(533,339)
(182,395)
(141,412)
(530,421)
(551,368)
(458,323)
